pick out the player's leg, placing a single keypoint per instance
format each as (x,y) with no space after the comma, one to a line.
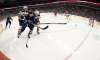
(9,24)
(37,22)
(21,30)
(68,18)
(38,29)
(31,27)
(55,13)
(20,22)
(92,22)
(6,24)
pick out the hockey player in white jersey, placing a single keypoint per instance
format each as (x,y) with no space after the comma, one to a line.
(67,16)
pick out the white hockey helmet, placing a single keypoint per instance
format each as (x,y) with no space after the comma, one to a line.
(25,7)
(37,12)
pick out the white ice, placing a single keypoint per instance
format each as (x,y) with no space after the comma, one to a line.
(73,41)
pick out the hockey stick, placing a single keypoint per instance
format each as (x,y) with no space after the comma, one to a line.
(53,23)
(43,27)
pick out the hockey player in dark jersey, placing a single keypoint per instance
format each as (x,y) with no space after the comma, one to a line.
(31,20)
(22,20)
(8,21)
(28,22)
(31,23)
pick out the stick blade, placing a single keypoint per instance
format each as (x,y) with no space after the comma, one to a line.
(45,27)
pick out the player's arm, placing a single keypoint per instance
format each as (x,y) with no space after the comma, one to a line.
(11,18)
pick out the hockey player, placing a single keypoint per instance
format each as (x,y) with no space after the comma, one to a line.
(37,22)
(67,16)
(55,13)
(8,21)
(22,20)
(29,21)
(22,14)
(91,18)
(91,21)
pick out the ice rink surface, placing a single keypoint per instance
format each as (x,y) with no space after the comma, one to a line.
(75,40)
